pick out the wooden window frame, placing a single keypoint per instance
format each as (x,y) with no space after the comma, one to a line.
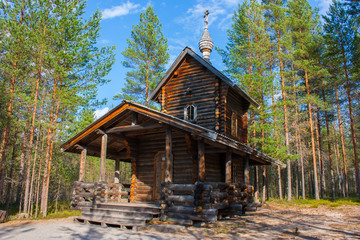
(186,113)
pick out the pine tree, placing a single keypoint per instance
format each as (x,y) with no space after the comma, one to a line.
(146,56)
(304,24)
(339,36)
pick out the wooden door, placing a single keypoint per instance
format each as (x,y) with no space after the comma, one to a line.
(159,174)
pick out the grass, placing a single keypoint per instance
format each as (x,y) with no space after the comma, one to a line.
(62,211)
(312,203)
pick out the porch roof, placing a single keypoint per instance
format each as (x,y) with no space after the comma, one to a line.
(159,120)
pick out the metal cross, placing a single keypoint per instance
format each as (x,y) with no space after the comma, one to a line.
(206,17)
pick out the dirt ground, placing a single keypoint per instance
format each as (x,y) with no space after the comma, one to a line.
(273,221)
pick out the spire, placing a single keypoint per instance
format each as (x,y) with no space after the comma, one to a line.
(206,43)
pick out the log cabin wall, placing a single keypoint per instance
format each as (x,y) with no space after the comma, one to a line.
(215,167)
(234,103)
(237,170)
(182,159)
(191,83)
(148,147)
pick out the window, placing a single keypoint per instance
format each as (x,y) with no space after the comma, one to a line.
(234,124)
(190,113)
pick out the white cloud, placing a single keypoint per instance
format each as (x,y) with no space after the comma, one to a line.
(323,6)
(104,41)
(220,15)
(121,10)
(100,112)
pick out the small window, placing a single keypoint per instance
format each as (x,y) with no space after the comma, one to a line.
(234,124)
(190,113)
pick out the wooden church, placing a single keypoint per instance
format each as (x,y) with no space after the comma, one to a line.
(189,162)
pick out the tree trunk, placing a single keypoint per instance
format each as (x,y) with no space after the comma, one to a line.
(9,186)
(283,94)
(329,149)
(321,161)
(6,134)
(342,142)
(316,189)
(49,152)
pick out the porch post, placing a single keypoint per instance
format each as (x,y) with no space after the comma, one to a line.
(228,162)
(168,155)
(82,163)
(201,160)
(246,172)
(103,155)
(117,171)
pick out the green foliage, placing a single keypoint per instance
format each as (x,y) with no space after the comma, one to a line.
(145,56)
(312,203)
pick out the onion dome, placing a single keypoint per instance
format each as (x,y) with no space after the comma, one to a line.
(206,44)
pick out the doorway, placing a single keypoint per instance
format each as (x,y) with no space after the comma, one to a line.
(159,173)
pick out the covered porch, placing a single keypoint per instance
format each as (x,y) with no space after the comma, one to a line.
(187,172)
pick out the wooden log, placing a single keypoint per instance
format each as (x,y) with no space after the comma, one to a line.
(178,221)
(180,198)
(181,187)
(103,157)
(194,217)
(82,164)
(246,172)
(168,155)
(201,160)
(219,194)
(191,210)
(228,166)
(84,185)
(85,194)
(117,171)
(220,205)
(133,180)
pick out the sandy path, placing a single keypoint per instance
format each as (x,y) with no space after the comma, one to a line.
(272,222)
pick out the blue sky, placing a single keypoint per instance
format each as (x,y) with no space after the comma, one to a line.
(182,24)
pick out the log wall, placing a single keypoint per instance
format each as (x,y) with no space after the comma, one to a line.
(201,82)
(237,104)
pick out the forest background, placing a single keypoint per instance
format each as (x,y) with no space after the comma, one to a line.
(301,68)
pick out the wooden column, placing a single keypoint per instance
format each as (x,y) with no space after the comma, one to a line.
(117,171)
(82,163)
(228,162)
(246,171)
(133,180)
(201,160)
(103,155)
(168,155)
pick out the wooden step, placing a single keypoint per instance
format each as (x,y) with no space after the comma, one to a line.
(117,213)
(112,220)
(141,208)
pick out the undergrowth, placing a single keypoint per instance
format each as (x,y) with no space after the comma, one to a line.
(312,203)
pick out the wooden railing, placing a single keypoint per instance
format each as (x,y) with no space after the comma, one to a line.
(184,203)
(87,194)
